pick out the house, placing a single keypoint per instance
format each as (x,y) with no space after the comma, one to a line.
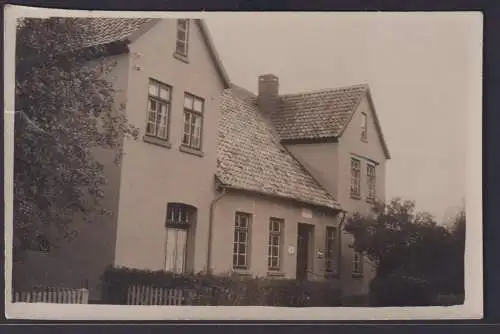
(221,179)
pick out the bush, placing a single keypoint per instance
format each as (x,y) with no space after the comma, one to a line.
(229,290)
(398,290)
(356,301)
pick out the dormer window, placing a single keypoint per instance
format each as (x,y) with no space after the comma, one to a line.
(181,45)
(364,131)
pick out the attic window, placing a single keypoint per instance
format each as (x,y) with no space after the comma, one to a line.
(181,45)
(364,131)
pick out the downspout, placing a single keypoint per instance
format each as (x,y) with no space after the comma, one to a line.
(210,228)
(339,260)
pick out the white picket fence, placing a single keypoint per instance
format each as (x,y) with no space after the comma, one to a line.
(148,295)
(53,295)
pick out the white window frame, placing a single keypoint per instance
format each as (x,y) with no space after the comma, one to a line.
(355,190)
(371,180)
(276,226)
(181,45)
(331,247)
(193,121)
(364,126)
(239,229)
(157,124)
(357,263)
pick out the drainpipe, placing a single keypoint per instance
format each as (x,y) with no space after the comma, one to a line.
(210,228)
(339,261)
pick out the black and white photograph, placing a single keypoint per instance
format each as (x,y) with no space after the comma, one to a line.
(295,165)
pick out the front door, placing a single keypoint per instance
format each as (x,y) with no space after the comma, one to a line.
(303,249)
(176,250)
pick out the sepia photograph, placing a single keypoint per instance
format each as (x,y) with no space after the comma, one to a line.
(296,165)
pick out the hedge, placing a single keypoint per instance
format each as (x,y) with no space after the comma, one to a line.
(398,290)
(230,290)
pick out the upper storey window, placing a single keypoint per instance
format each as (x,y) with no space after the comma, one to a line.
(193,120)
(181,45)
(158,110)
(364,130)
(355,178)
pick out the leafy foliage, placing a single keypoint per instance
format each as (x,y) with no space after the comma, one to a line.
(411,251)
(65,110)
(217,290)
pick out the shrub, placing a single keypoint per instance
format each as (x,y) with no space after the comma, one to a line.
(230,290)
(398,290)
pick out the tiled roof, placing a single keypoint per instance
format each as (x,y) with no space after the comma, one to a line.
(316,114)
(250,156)
(102,31)
(105,30)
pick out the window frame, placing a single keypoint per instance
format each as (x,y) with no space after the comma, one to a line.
(331,250)
(184,211)
(185,42)
(371,181)
(238,229)
(270,245)
(192,112)
(161,101)
(179,218)
(364,126)
(357,264)
(355,184)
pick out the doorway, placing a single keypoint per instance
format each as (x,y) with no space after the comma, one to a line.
(304,245)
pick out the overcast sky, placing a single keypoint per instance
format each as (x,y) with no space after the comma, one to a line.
(417,65)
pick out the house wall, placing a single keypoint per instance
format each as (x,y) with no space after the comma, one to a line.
(82,260)
(321,160)
(154,175)
(262,209)
(350,143)
(329,163)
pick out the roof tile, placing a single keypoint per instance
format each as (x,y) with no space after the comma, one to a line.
(105,30)
(317,114)
(250,156)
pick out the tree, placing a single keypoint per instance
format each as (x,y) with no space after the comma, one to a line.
(455,282)
(408,247)
(65,109)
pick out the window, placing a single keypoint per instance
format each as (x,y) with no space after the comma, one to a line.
(181,46)
(193,119)
(275,238)
(158,110)
(178,215)
(240,244)
(370,173)
(180,218)
(331,250)
(355,178)
(364,130)
(357,264)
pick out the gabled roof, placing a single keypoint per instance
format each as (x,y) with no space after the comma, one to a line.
(111,30)
(320,114)
(108,30)
(316,114)
(250,156)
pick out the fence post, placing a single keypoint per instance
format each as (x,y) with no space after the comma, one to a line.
(85,296)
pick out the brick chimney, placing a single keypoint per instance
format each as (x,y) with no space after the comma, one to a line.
(268,98)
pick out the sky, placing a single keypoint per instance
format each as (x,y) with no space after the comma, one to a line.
(418,67)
